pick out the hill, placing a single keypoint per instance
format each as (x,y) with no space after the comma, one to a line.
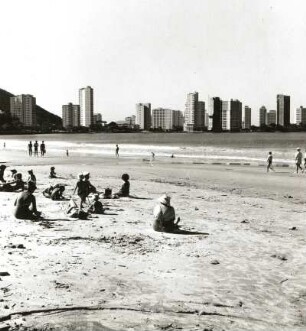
(44,117)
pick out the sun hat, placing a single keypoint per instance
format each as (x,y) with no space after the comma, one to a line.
(85,173)
(164,199)
(298,149)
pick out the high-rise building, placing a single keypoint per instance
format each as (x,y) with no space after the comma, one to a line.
(300,115)
(283,110)
(24,108)
(271,117)
(143,115)
(216,114)
(236,115)
(247,117)
(71,115)
(194,116)
(225,116)
(97,118)
(86,99)
(262,115)
(166,119)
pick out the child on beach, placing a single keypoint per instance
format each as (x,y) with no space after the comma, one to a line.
(25,204)
(32,177)
(80,188)
(96,207)
(52,173)
(269,162)
(164,216)
(17,185)
(125,188)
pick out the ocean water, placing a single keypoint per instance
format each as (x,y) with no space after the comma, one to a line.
(203,147)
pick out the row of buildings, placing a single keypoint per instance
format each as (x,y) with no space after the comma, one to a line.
(82,114)
(220,115)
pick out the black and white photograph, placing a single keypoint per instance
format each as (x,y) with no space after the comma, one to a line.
(153,165)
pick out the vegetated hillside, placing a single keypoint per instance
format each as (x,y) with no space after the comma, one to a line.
(44,118)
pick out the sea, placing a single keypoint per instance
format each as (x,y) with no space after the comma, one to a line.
(201,147)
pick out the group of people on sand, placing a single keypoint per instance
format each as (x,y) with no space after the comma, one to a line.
(298,161)
(25,204)
(35,146)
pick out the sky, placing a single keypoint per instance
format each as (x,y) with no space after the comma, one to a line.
(154,51)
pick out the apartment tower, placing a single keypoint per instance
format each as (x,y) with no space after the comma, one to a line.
(24,108)
(86,100)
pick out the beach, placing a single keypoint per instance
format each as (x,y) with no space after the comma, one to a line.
(240,265)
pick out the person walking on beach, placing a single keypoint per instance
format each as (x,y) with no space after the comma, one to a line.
(36,148)
(269,162)
(298,160)
(117,151)
(152,158)
(4,145)
(67,152)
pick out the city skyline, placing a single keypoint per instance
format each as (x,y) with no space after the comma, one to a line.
(234,49)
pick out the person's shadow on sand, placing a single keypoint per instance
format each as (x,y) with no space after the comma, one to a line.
(190,233)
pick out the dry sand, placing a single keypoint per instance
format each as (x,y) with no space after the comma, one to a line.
(242,267)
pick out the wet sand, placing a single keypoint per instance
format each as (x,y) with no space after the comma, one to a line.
(240,266)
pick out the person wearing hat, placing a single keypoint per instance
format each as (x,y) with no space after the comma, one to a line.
(164,216)
(2,169)
(52,173)
(87,184)
(32,177)
(25,204)
(298,160)
(14,186)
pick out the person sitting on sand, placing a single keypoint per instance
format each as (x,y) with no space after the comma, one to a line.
(52,173)
(2,169)
(75,212)
(25,204)
(32,177)
(96,207)
(54,192)
(125,188)
(13,175)
(164,216)
(15,186)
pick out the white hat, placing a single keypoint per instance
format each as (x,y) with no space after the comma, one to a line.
(298,149)
(164,199)
(85,173)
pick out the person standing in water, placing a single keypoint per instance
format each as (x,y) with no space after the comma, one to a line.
(36,148)
(117,151)
(30,148)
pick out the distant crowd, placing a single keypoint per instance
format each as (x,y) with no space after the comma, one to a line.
(36,148)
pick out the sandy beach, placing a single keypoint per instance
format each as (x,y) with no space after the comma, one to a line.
(242,265)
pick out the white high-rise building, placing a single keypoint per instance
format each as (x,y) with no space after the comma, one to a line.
(194,116)
(262,115)
(271,117)
(86,99)
(143,115)
(24,108)
(71,115)
(226,116)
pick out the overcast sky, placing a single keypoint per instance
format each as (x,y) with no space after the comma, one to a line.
(154,51)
